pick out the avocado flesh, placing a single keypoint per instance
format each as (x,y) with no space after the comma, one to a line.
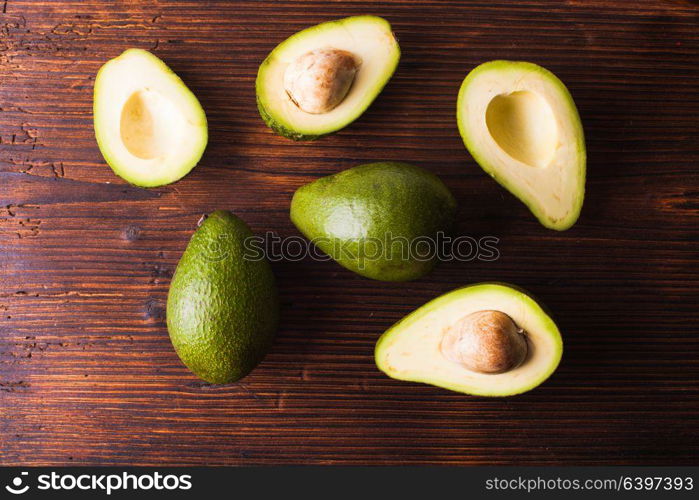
(149,126)
(354,215)
(369,38)
(222,308)
(520,124)
(410,349)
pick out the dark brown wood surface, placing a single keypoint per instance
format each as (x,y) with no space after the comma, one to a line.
(87,372)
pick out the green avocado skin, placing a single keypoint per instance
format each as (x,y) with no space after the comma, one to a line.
(360,216)
(281,129)
(222,307)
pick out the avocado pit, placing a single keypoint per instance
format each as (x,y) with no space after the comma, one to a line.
(485,342)
(319,80)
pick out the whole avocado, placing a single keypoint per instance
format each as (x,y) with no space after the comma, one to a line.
(222,307)
(380,220)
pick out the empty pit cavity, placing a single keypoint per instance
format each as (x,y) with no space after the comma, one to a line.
(523,124)
(151,125)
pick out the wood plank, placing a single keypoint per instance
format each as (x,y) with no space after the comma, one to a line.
(87,373)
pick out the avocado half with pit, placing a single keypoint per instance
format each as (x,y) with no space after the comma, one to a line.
(323,78)
(488,339)
(149,126)
(519,122)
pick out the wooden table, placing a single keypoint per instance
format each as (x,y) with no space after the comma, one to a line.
(87,372)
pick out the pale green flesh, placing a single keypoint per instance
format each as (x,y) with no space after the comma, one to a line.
(410,349)
(149,126)
(367,37)
(520,124)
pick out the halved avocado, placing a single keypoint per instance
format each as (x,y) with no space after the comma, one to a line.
(519,122)
(323,78)
(487,339)
(149,126)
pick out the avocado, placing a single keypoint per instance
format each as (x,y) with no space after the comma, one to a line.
(520,124)
(149,127)
(380,220)
(323,78)
(487,339)
(222,307)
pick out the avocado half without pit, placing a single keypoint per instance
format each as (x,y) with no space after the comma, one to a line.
(488,339)
(149,126)
(323,78)
(520,124)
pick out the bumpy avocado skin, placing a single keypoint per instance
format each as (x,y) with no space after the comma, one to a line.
(378,202)
(222,308)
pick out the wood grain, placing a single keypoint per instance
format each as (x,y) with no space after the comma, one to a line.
(87,373)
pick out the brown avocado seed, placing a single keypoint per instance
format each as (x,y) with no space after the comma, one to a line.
(319,80)
(485,342)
